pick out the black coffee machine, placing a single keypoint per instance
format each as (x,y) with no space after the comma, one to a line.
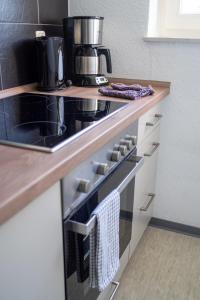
(83,51)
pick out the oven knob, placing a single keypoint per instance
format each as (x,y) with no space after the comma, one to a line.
(115,156)
(84,186)
(126,143)
(131,138)
(123,149)
(102,169)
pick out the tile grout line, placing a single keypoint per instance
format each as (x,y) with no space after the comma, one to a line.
(1,78)
(68,7)
(38,10)
(34,24)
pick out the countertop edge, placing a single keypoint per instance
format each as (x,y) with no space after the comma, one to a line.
(11,205)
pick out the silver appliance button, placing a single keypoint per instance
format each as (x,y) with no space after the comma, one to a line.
(131,138)
(102,169)
(115,155)
(127,143)
(116,147)
(123,149)
(84,186)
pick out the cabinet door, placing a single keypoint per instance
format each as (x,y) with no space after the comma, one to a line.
(145,188)
(148,123)
(31,251)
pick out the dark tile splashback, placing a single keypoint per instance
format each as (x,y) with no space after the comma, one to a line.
(17,56)
(52,12)
(2,118)
(20,11)
(19,19)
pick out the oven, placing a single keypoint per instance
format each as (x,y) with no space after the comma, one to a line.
(79,223)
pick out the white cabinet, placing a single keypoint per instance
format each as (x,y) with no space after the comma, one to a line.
(148,122)
(145,179)
(31,251)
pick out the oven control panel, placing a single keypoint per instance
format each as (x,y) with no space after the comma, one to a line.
(83,179)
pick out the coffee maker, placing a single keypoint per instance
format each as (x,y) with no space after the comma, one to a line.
(83,51)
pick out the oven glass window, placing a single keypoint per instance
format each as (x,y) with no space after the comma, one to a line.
(77,245)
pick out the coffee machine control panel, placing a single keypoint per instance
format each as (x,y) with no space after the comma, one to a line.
(101,80)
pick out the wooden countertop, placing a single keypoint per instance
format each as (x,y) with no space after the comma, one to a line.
(25,174)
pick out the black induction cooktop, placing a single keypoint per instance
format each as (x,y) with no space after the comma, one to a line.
(46,122)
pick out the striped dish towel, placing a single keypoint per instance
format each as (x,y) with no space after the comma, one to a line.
(104,242)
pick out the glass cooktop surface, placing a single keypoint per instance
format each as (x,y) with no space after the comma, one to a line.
(46,122)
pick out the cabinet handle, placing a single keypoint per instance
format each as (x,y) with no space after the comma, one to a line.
(155,147)
(157,119)
(145,208)
(158,116)
(116,284)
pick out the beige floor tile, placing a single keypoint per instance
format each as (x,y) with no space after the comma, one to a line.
(165,266)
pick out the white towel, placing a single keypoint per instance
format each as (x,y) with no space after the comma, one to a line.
(104,242)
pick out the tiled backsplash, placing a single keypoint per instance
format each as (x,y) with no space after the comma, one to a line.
(19,19)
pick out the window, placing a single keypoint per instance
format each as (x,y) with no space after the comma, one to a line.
(174,18)
(191,7)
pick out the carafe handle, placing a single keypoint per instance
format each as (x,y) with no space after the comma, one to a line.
(106,52)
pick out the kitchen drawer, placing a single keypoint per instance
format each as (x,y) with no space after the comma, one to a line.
(148,122)
(145,188)
(150,144)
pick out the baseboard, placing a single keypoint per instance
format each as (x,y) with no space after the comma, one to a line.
(176,227)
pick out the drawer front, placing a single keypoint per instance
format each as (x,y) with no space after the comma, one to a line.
(148,122)
(145,188)
(150,145)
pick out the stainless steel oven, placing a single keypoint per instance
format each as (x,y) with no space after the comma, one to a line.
(78,223)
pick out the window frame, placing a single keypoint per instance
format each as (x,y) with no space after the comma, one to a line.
(170,22)
(188,13)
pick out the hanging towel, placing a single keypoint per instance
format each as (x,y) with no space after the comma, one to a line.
(104,242)
(131,92)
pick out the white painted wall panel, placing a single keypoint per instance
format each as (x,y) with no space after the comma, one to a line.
(123,25)
(178,181)
(31,251)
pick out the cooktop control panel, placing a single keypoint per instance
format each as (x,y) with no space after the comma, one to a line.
(78,183)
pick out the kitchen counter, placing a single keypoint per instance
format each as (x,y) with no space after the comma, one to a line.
(25,174)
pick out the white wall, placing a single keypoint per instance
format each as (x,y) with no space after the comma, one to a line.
(178,182)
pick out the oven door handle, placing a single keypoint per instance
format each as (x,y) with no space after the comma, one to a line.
(85,228)
(139,162)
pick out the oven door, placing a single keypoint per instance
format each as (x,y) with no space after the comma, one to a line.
(78,226)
